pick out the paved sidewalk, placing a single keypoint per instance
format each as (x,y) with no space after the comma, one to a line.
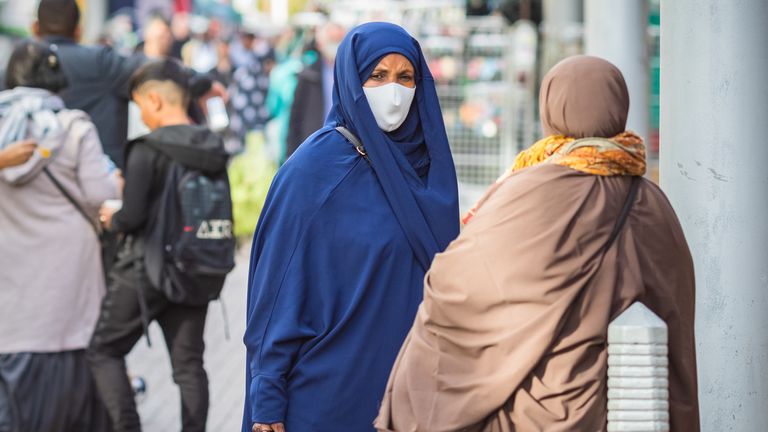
(224,361)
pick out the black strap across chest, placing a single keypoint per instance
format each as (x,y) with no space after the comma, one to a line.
(95,225)
(354,141)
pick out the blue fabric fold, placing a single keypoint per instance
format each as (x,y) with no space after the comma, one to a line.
(341,250)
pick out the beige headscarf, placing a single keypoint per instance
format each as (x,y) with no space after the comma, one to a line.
(584,96)
(584,105)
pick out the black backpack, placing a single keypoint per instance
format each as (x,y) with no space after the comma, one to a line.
(191,247)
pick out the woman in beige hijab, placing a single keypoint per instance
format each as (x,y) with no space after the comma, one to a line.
(512,332)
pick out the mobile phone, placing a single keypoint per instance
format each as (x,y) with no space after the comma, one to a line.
(218,119)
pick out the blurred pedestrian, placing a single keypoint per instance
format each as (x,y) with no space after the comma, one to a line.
(291,56)
(313,98)
(157,44)
(250,48)
(199,52)
(97,75)
(180,31)
(119,33)
(52,281)
(97,79)
(344,240)
(512,333)
(252,59)
(137,292)
(224,68)
(158,40)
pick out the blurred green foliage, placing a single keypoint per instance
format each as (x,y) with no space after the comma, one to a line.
(250,175)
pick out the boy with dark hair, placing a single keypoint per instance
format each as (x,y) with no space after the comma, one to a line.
(140,283)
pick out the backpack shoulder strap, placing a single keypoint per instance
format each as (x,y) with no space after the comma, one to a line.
(77,124)
(354,141)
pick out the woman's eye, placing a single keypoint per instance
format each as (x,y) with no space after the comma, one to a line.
(377,76)
(406,78)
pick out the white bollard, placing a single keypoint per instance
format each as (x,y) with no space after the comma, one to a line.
(638,386)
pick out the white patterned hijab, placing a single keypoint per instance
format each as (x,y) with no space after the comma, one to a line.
(30,113)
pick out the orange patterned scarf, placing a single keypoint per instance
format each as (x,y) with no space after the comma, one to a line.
(623,154)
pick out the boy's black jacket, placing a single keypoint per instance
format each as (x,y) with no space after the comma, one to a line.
(193,146)
(146,172)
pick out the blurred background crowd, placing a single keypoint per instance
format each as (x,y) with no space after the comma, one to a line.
(275,58)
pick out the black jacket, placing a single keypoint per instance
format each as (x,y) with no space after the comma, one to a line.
(98,84)
(308,107)
(146,172)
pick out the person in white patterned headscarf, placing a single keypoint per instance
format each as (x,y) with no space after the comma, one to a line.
(250,82)
(52,281)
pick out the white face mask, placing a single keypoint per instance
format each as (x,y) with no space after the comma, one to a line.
(390,104)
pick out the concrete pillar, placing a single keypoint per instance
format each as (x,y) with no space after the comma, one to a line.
(617,31)
(714,167)
(521,129)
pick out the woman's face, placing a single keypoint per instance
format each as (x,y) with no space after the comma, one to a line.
(393,68)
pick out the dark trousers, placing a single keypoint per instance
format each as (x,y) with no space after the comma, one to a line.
(120,326)
(49,392)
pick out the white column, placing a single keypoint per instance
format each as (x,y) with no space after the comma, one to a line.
(638,373)
(714,167)
(616,30)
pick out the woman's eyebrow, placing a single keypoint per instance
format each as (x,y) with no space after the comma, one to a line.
(380,69)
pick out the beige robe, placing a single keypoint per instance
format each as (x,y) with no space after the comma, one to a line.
(512,332)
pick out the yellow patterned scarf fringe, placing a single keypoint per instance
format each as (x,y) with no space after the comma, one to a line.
(623,155)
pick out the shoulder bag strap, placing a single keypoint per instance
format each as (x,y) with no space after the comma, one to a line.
(630,201)
(354,141)
(72,201)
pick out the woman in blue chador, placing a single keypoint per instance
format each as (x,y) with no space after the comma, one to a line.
(346,236)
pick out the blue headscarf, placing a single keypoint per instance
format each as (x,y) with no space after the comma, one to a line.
(413,163)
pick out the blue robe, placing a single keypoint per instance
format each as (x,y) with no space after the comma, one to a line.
(341,250)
